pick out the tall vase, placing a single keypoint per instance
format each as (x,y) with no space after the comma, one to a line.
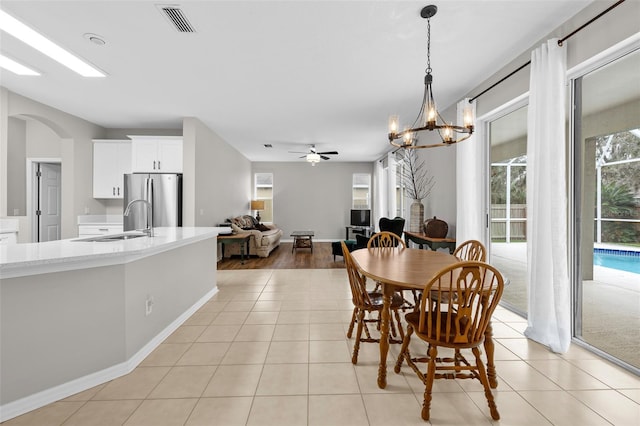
(417,216)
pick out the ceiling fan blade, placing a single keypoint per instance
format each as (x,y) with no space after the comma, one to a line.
(298,152)
(328,153)
(304,156)
(324,157)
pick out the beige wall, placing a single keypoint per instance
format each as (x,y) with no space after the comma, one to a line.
(123,133)
(441,163)
(316,198)
(217,178)
(16,167)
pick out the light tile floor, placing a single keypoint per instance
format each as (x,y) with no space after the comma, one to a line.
(270,349)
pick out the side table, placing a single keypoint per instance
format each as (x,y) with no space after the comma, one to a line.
(433,243)
(302,239)
(242,239)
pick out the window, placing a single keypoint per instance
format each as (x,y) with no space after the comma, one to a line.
(361,194)
(263,190)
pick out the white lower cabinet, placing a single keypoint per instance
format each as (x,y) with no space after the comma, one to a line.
(8,238)
(92,230)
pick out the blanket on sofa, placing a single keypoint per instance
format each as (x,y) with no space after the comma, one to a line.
(247,222)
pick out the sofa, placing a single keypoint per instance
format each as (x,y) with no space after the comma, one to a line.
(264,238)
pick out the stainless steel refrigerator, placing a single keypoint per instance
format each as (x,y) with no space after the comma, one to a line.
(162,190)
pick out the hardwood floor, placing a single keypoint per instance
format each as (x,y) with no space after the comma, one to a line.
(282,258)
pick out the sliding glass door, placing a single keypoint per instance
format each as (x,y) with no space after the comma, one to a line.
(508,212)
(606,188)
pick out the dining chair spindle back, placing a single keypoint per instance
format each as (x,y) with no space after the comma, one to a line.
(456,316)
(471,250)
(385,239)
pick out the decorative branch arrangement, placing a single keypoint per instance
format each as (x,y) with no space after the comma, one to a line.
(415,176)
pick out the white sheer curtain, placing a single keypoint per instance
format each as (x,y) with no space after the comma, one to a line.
(549,316)
(379,185)
(470,165)
(391,185)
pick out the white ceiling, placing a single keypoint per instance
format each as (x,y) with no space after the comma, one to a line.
(286,73)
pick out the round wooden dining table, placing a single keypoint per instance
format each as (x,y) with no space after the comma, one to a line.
(407,269)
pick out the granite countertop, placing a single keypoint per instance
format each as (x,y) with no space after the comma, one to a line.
(36,258)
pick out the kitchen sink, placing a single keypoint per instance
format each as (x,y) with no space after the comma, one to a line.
(111,238)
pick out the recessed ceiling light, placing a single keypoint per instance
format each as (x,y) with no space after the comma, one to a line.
(15,67)
(34,39)
(95,39)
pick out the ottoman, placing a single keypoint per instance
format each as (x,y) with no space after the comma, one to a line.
(336,247)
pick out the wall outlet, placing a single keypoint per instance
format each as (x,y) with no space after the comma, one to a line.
(148,306)
(86,210)
(201,212)
(16,212)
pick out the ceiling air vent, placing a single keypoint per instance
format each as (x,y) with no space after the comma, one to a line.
(177,17)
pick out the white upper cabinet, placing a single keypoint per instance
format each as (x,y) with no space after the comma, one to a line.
(156,154)
(111,160)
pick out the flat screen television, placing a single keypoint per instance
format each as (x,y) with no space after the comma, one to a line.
(360,217)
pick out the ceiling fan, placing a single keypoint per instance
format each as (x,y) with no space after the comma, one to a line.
(313,156)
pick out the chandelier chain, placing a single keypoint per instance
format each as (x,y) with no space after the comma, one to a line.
(428,70)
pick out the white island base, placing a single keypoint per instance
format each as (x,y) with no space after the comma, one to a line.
(68,330)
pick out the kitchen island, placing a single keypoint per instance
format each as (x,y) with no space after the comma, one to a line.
(74,314)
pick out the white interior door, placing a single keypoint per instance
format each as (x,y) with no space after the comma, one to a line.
(48,211)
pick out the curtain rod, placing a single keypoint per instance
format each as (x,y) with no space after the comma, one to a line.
(562,40)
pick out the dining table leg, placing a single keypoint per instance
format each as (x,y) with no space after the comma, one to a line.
(387,294)
(489,349)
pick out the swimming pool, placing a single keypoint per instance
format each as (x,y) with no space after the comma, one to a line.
(617,259)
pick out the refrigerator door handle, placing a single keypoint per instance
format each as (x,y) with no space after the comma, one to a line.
(150,200)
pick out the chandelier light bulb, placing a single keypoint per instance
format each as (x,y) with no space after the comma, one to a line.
(394,121)
(448,134)
(408,136)
(432,113)
(468,117)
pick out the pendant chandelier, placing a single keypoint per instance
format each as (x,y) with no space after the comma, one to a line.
(429,118)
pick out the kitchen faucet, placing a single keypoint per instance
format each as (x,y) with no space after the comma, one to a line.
(149,229)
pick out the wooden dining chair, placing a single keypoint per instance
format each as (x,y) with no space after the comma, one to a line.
(366,302)
(385,239)
(471,250)
(389,239)
(472,291)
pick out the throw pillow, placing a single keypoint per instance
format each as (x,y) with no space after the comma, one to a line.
(249,222)
(244,222)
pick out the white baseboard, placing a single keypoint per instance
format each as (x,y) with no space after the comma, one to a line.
(56,393)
